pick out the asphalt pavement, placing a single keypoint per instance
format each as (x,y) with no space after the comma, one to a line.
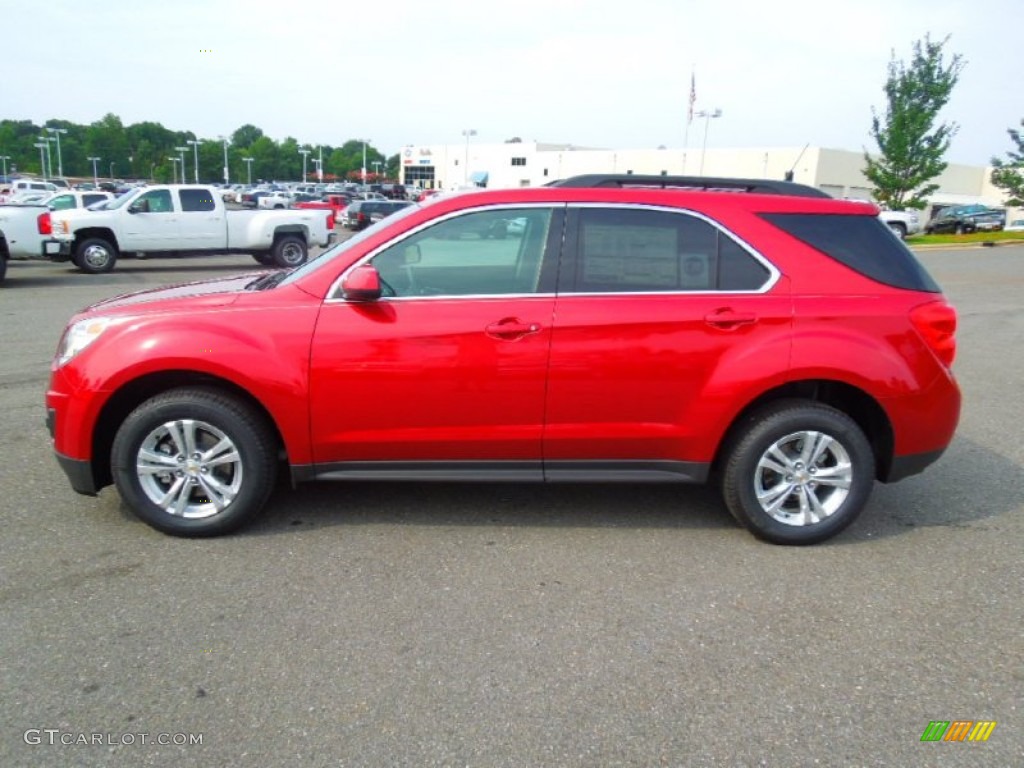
(509,625)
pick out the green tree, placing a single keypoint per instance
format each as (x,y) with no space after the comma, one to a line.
(244,136)
(911,145)
(1008,175)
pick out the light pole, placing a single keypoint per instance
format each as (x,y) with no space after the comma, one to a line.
(174,167)
(195,147)
(363,172)
(304,153)
(707,114)
(42,145)
(376,169)
(248,169)
(48,170)
(227,173)
(95,176)
(181,154)
(4,159)
(320,164)
(465,165)
(60,165)
(112,164)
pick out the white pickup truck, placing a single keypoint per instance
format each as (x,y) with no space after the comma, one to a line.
(24,226)
(183,219)
(902,223)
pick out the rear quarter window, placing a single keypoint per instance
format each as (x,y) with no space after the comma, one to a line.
(862,243)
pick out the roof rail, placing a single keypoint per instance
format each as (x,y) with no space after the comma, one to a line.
(707,183)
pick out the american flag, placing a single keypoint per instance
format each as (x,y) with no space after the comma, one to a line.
(693,98)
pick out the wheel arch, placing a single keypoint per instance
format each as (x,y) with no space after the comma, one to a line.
(865,410)
(291,229)
(133,393)
(99,232)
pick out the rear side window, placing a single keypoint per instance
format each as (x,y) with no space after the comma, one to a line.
(862,243)
(624,250)
(196,200)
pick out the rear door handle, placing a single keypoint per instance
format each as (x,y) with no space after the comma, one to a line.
(511,328)
(728,319)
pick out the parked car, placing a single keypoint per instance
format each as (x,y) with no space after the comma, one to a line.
(21,188)
(902,223)
(965,219)
(1017,225)
(775,340)
(26,227)
(183,219)
(275,200)
(362,213)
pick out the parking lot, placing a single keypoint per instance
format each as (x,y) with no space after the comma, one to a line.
(505,625)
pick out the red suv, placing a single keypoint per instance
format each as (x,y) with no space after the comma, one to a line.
(621,328)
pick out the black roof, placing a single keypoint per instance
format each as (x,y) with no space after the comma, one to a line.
(706,183)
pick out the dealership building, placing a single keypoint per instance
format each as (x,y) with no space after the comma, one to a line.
(527,164)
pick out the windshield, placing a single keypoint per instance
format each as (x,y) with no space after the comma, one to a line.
(332,253)
(120,202)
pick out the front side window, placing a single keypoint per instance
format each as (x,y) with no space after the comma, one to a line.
(159,201)
(493,252)
(624,250)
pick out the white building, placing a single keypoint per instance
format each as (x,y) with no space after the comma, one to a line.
(524,164)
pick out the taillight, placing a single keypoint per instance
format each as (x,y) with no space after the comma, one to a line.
(330,219)
(44,224)
(936,322)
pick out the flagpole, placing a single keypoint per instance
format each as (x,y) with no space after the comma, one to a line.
(689,115)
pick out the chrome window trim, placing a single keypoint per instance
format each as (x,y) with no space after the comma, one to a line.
(774,275)
(335,289)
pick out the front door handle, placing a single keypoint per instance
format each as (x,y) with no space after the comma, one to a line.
(727,319)
(511,328)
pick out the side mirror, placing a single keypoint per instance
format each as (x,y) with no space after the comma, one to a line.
(139,206)
(362,284)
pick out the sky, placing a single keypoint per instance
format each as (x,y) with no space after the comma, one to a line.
(589,73)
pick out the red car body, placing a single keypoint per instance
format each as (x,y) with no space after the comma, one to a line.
(550,385)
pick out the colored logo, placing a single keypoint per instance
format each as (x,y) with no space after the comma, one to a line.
(958,730)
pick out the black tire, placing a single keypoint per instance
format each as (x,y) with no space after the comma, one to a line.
(899,229)
(781,429)
(264,258)
(95,256)
(289,251)
(3,267)
(242,472)
(959,229)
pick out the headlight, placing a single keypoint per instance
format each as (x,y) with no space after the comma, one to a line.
(78,336)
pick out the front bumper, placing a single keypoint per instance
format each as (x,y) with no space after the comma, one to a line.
(78,471)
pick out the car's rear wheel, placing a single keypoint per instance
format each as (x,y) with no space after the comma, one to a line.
(798,472)
(289,251)
(899,229)
(194,462)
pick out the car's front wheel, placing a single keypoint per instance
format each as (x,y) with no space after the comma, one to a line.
(194,462)
(798,472)
(95,256)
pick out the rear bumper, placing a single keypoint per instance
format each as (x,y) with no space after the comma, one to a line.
(56,250)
